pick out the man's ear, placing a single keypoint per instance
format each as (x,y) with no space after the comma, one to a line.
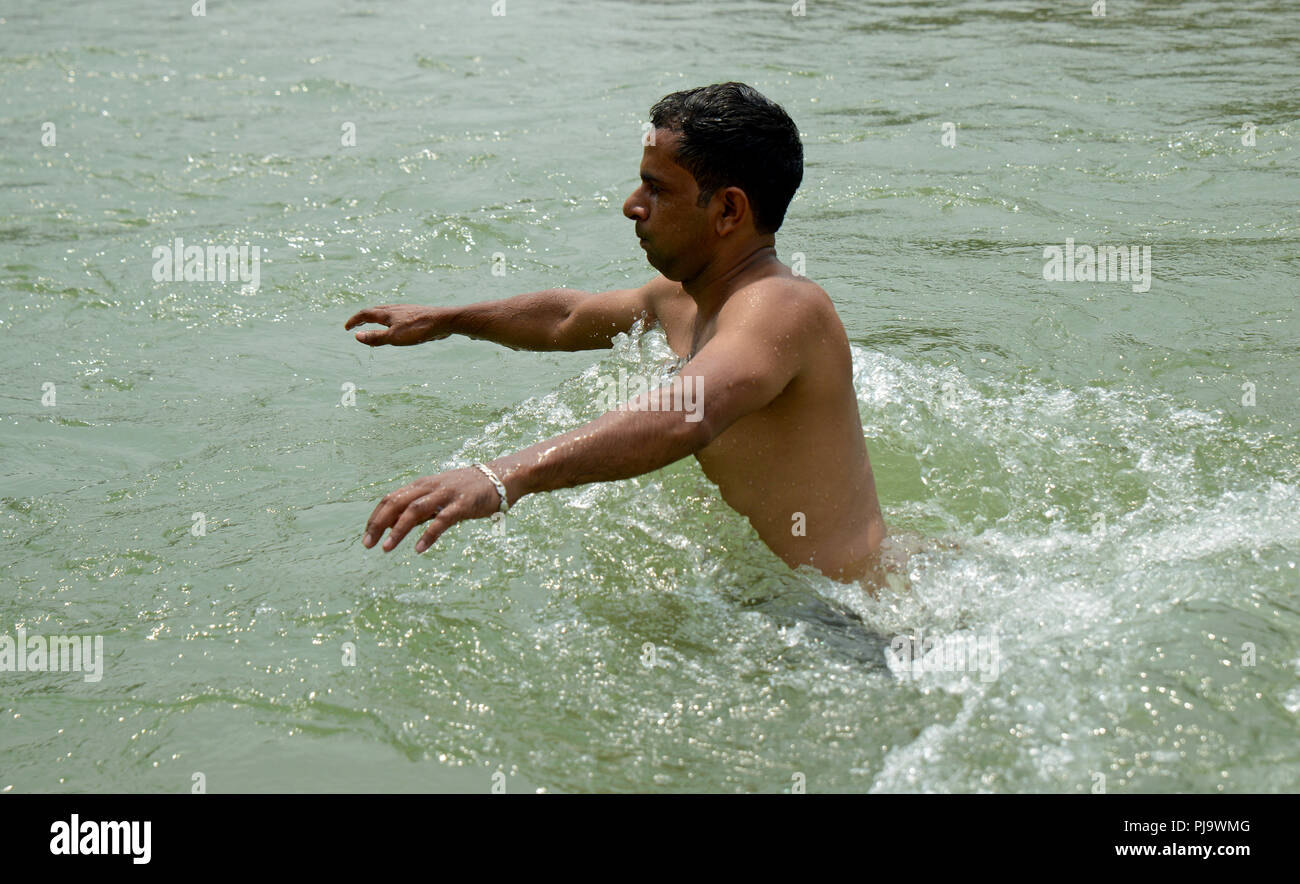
(735,207)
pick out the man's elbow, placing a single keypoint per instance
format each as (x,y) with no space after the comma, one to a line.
(695,430)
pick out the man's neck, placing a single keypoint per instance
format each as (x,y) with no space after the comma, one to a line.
(720,279)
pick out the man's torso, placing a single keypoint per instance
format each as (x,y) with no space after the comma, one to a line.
(797,468)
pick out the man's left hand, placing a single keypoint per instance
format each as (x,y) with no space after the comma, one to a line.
(446,498)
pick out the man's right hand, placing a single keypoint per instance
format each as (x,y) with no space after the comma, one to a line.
(407,324)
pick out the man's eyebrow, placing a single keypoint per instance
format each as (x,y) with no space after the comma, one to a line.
(652,179)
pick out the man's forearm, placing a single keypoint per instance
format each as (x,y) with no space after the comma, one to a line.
(525,322)
(617,445)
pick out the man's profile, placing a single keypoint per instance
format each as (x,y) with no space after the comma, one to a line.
(766,357)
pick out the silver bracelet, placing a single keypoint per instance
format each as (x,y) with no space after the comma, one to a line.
(500,486)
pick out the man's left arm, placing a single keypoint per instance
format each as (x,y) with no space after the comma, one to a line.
(752,358)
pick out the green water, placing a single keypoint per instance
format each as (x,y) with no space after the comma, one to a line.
(1125,523)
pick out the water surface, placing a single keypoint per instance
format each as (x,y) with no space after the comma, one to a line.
(1126,525)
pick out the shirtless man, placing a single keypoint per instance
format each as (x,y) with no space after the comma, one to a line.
(776,426)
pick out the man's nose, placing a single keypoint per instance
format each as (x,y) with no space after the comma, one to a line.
(633,209)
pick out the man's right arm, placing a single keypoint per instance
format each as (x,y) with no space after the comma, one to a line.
(553,319)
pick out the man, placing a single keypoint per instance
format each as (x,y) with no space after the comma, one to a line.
(776,425)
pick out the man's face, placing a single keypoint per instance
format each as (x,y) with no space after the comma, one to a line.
(674,231)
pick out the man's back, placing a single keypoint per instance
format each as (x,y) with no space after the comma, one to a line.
(797,468)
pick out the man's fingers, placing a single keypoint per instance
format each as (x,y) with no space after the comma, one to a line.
(389,509)
(370,314)
(374,337)
(417,511)
(444,520)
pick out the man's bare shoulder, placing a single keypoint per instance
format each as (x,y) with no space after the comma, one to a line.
(795,300)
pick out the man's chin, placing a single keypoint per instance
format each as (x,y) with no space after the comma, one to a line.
(666,274)
(659,265)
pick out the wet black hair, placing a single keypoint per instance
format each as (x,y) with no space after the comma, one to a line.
(731,135)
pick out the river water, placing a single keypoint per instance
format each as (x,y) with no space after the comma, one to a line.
(186,466)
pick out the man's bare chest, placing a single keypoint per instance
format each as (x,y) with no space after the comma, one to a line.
(676,315)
